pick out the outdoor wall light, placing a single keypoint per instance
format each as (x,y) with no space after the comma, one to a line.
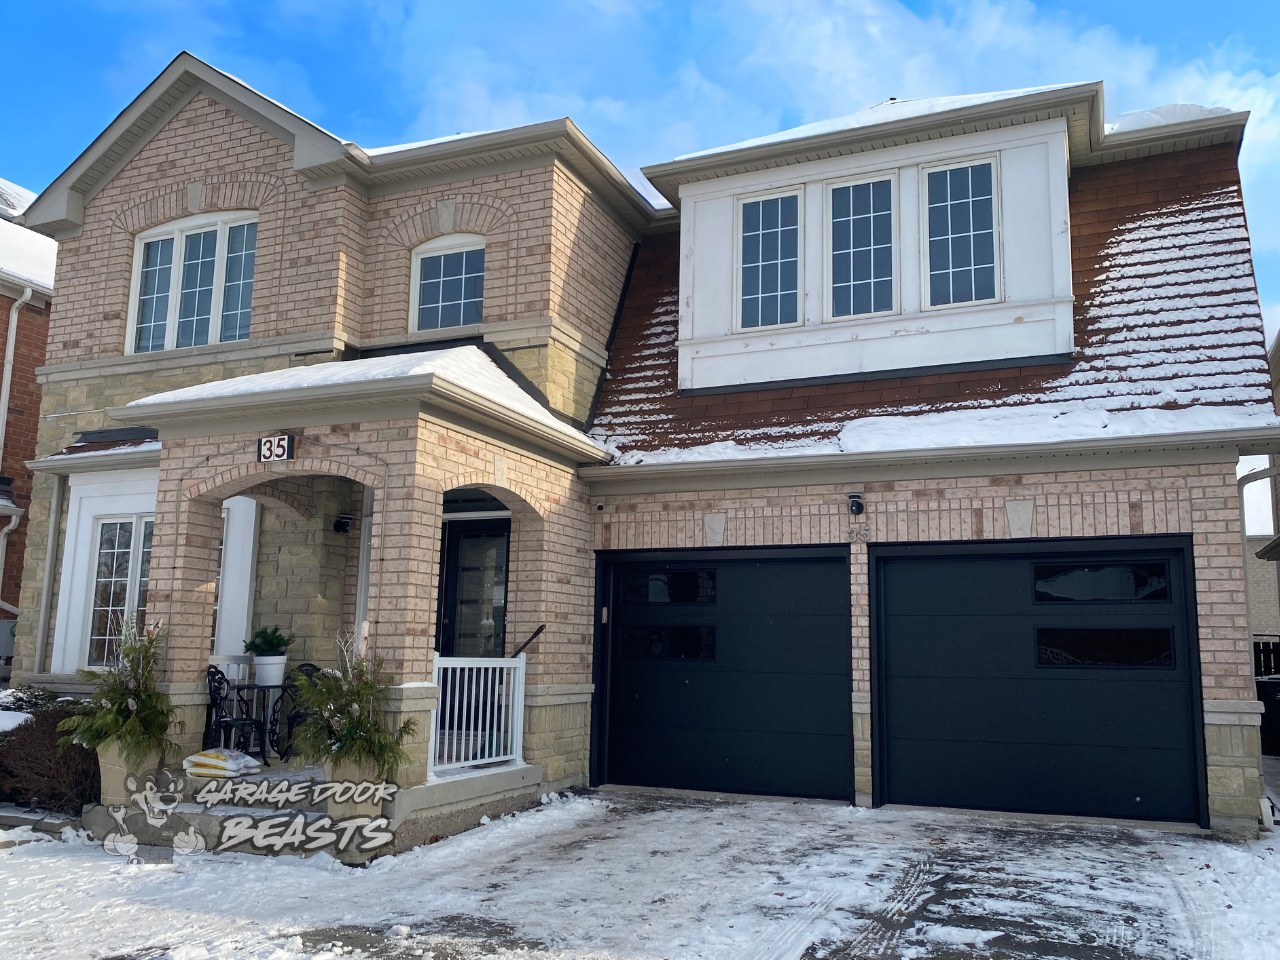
(342,524)
(856,506)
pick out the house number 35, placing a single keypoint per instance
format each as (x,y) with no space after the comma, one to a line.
(275,448)
(860,533)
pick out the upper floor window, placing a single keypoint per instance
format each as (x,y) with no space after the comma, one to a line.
(193,282)
(770,261)
(962,247)
(448,282)
(862,249)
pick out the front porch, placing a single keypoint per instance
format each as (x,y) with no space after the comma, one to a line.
(424,503)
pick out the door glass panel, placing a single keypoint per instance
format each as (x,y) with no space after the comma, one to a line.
(675,586)
(479,620)
(667,643)
(1147,581)
(110,589)
(1105,647)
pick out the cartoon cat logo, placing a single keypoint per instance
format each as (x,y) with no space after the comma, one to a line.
(150,820)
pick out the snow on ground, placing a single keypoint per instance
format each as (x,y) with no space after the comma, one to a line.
(636,876)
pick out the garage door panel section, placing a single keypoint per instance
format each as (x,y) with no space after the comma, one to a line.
(1140,784)
(1121,714)
(1050,677)
(731,675)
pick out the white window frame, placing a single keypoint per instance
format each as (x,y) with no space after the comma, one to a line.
(827,246)
(178,230)
(438,246)
(135,565)
(997,205)
(797,191)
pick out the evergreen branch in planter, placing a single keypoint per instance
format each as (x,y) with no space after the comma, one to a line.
(127,708)
(268,642)
(346,714)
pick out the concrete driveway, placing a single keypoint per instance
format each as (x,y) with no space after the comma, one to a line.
(630,875)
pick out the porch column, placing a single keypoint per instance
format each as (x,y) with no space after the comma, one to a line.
(403,583)
(184,569)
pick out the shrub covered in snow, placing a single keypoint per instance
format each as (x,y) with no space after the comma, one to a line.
(26,699)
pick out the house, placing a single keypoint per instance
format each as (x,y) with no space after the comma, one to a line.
(27,261)
(893,463)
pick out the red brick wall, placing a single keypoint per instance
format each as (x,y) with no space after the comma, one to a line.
(20,432)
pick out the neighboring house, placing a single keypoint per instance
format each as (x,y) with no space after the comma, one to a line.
(27,261)
(895,463)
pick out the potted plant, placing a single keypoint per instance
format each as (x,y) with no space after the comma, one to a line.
(345,726)
(270,653)
(128,719)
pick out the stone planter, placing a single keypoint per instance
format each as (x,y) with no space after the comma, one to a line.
(350,773)
(115,771)
(268,670)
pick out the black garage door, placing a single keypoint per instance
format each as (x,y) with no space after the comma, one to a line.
(729,672)
(1039,678)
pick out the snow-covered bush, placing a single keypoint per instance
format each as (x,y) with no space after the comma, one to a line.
(26,699)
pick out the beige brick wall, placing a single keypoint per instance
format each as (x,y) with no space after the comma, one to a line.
(1198,500)
(1264,590)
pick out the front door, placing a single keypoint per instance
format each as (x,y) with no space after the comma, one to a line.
(473,591)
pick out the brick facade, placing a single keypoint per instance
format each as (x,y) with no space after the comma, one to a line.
(1200,500)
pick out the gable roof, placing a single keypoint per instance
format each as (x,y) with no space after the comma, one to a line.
(897,122)
(318,154)
(1168,332)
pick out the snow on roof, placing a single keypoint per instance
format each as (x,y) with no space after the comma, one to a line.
(1168,334)
(13,199)
(1162,116)
(396,148)
(886,112)
(27,257)
(466,367)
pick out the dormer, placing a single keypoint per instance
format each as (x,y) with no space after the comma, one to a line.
(922,236)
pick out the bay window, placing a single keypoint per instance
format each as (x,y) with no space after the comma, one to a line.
(862,255)
(961,225)
(770,258)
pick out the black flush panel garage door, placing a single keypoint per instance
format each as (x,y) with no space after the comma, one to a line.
(1042,678)
(728,672)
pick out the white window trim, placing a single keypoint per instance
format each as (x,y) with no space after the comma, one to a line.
(92,496)
(178,231)
(997,205)
(449,243)
(797,191)
(827,247)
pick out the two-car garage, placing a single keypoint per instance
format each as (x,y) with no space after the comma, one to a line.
(1034,676)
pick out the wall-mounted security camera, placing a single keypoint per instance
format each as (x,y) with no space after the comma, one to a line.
(600,507)
(856,505)
(342,524)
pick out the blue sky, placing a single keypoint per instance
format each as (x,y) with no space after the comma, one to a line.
(646,81)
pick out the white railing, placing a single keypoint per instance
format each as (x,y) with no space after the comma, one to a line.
(480,717)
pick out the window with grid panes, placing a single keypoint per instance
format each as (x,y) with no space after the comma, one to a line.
(450,289)
(961,235)
(207,296)
(862,249)
(122,574)
(770,261)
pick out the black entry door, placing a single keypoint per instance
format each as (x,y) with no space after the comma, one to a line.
(473,588)
(1044,680)
(731,675)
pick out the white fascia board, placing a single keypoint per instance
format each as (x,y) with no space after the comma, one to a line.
(76,463)
(426,387)
(1245,441)
(668,176)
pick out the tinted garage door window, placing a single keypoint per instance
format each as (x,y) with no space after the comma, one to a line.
(1037,682)
(731,676)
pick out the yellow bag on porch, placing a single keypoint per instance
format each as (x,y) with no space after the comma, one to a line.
(220,763)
